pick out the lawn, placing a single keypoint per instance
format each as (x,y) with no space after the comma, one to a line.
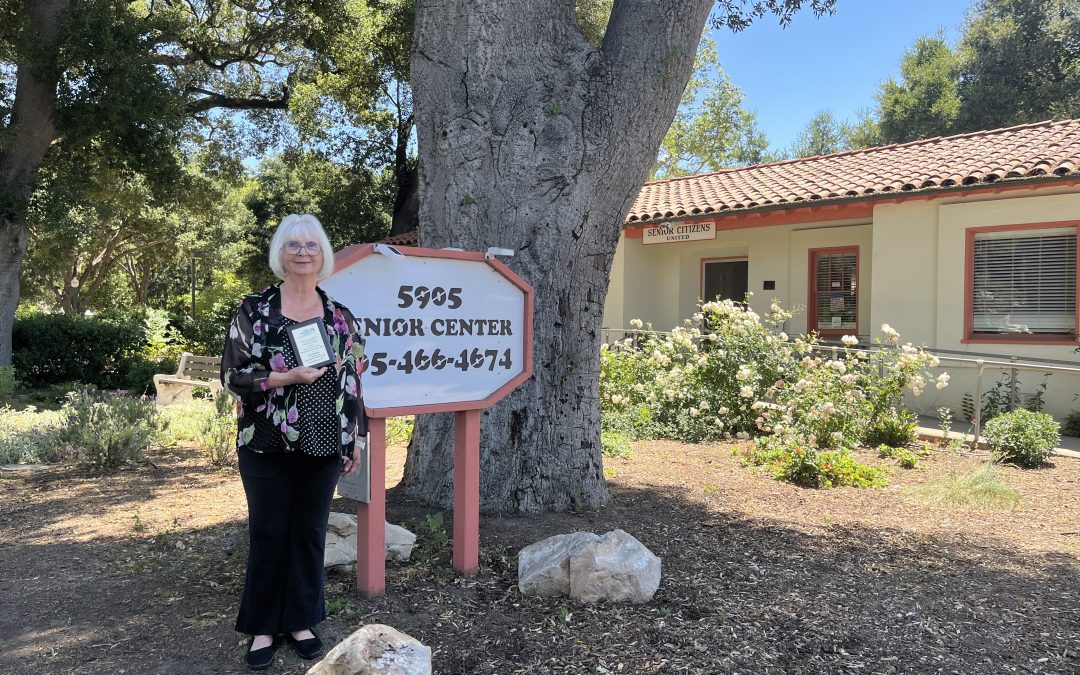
(140,571)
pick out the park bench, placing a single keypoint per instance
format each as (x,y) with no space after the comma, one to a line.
(193,371)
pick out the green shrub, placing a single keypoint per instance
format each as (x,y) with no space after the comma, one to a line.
(399,430)
(1022,437)
(981,489)
(107,431)
(183,423)
(218,438)
(1070,426)
(895,430)
(7,381)
(29,437)
(788,459)
(57,348)
(904,457)
(615,444)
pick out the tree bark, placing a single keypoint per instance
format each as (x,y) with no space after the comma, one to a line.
(33,133)
(532,139)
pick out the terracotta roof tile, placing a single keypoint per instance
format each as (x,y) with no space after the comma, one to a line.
(1001,155)
(410,238)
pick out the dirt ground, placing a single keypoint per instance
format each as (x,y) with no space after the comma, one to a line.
(140,572)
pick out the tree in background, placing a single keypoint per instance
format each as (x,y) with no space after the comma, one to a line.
(711,130)
(926,102)
(1017,62)
(146,85)
(533,138)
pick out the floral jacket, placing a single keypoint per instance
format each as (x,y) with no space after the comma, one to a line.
(255,347)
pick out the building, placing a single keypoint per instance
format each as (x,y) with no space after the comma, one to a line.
(964,244)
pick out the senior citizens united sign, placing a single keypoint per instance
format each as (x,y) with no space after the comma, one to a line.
(445,331)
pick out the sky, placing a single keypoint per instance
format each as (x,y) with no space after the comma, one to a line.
(829,63)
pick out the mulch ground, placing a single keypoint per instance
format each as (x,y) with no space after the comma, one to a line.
(140,572)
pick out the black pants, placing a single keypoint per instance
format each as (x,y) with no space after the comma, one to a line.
(288,498)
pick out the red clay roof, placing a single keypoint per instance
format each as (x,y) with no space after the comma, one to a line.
(1021,153)
(410,238)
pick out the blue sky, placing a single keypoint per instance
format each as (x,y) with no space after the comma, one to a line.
(833,62)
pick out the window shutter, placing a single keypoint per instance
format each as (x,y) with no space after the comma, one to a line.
(1025,282)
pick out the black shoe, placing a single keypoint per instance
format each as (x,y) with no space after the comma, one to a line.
(308,648)
(261,659)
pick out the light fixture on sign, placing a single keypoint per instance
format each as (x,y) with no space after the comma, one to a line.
(495,250)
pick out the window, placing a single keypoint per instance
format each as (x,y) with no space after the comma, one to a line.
(1022,283)
(834,291)
(724,279)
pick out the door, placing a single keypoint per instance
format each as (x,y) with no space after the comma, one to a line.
(724,279)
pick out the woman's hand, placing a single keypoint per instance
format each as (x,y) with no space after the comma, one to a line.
(306,374)
(349,466)
(298,375)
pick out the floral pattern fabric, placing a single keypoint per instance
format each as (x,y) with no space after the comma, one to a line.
(255,347)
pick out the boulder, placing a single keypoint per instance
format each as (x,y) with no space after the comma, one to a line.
(617,567)
(341,541)
(376,649)
(544,567)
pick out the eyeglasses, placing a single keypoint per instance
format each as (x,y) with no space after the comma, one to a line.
(294,247)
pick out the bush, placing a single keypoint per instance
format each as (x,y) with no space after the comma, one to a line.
(107,431)
(29,437)
(615,444)
(1022,437)
(57,348)
(896,430)
(218,438)
(399,430)
(904,457)
(789,459)
(7,381)
(1070,426)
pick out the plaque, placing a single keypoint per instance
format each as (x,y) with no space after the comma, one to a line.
(310,343)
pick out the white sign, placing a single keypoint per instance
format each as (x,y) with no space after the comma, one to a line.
(439,330)
(666,233)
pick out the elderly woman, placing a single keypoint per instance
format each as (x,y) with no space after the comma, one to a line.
(297,428)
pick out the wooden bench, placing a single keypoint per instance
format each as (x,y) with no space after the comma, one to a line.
(193,371)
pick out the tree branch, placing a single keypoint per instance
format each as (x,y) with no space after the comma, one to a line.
(214,100)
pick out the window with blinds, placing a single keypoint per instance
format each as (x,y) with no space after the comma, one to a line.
(1024,282)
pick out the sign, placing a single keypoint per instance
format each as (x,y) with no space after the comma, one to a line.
(444,329)
(667,233)
(358,485)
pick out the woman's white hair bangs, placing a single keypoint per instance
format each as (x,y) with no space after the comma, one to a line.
(300,227)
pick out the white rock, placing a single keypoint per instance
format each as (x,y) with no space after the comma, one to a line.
(399,542)
(376,649)
(544,567)
(341,541)
(617,567)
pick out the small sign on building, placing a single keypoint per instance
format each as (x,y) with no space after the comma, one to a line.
(673,232)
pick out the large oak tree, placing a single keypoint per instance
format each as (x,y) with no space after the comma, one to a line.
(533,138)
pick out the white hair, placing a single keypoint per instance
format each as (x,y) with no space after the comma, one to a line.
(292,228)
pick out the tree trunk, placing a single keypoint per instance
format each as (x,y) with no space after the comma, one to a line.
(532,139)
(33,133)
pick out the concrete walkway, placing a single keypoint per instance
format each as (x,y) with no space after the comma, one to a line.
(930,429)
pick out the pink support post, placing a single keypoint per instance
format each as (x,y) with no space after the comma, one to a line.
(467,491)
(371,519)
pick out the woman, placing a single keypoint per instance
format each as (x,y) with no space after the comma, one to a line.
(296,430)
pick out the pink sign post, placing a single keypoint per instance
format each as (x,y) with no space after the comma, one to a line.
(446,331)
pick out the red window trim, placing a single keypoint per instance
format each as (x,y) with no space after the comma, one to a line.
(811,291)
(970,337)
(701,270)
